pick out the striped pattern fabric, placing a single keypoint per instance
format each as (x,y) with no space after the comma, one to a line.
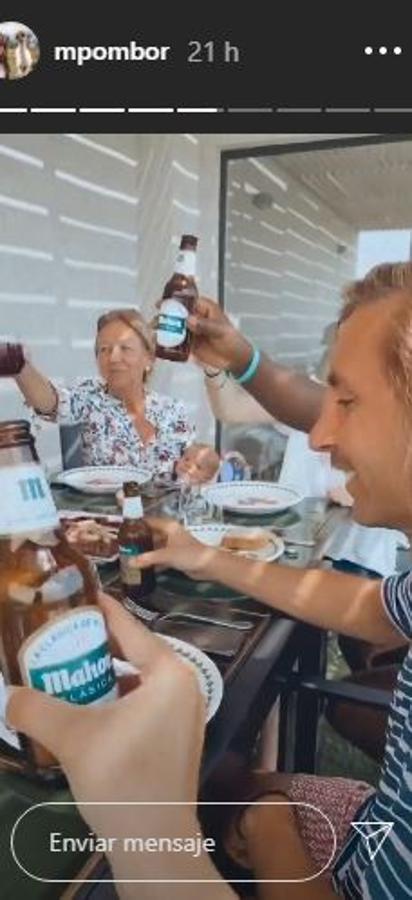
(388,876)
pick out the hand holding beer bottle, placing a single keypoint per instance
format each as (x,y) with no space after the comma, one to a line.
(52,634)
(215,340)
(12,359)
(173,339)
(135,538)
(149,742)
(122,738)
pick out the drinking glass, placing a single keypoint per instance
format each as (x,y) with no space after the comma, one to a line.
(194,508)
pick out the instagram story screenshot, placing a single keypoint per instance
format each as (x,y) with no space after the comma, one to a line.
(205,466)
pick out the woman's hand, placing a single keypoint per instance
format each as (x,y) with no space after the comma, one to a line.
(145,746)
(216,342)
(174,546)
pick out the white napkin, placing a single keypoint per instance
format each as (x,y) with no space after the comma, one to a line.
(372,548)
(307,471)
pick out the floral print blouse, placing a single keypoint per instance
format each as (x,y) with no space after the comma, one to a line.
(108,433)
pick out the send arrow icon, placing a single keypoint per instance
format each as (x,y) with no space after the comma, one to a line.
(375,834)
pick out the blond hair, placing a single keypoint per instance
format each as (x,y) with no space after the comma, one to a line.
(134,320)
(379,284)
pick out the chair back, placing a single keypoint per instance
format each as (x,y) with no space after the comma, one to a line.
(234,467)
(262,445)
(71,446)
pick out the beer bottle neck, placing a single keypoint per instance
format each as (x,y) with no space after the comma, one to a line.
(132,508)
(17,455)
(27,504)
(186,263)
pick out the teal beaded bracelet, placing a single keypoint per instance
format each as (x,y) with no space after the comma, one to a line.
(251,370)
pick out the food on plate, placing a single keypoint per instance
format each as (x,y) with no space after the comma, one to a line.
(91,536)
(256,501)
(250,542)
(103,482)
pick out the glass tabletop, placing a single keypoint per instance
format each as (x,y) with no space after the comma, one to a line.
(300,527)
(312,510)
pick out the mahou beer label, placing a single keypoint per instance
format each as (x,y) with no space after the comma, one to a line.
(186,263)
(171,324)
(69,657)
(26,500)
(132,508)
(130,573)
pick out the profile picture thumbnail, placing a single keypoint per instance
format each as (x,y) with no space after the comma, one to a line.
(19,50)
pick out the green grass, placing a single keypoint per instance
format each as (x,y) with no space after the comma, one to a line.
(336,756)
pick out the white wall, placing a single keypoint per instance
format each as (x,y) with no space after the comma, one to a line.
(68,249)
(179,187)
(88,222)
(284,265)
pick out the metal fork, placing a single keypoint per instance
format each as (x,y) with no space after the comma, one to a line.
(147,615)
(237,625)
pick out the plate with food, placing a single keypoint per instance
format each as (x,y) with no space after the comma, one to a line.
(102,479)
(94,535)
(255,498)
(253,543)
(209,677)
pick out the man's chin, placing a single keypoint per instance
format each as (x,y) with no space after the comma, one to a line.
(364,514)
(361,517)
(359,509)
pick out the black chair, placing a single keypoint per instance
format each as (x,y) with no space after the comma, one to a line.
(262,445)
(302,699)
(71,445)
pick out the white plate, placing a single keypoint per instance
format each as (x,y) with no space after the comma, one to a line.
(212,536)
(209,677)
(252,498)
(102,479)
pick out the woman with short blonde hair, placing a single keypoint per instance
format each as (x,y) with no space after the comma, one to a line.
(123,422)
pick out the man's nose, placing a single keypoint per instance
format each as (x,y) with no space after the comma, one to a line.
(322,436)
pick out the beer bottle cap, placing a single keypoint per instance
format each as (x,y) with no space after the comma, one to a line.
(14,432)
(131,489)
(188,241)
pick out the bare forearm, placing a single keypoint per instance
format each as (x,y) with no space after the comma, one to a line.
(287,395)
(343,603)
(36,389)
(145,864)
(233,405)
(200,870)
(207,874)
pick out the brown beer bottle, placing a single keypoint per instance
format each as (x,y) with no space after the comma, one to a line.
(52,633)
(11,359)
(173,339)
(135,537)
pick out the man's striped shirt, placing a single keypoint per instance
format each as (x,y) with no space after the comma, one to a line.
(388,876)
